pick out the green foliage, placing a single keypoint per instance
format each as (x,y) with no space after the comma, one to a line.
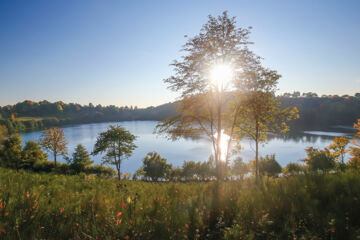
(117,144)
(239,168)
(155,167)
(319,160)
(11,154)
(189,170)
(31,154)
(90,207)
(293,169)
(81,159)
(269,166)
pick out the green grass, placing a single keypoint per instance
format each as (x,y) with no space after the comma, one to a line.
(50,206)
(24,119)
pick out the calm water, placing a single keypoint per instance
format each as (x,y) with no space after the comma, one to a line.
(287,148)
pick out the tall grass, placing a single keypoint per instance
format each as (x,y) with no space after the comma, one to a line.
(50,206)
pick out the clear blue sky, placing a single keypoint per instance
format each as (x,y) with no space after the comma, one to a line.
(118,52)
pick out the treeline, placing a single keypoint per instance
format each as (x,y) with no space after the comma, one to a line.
(315,112)
(322,112)
(29,115)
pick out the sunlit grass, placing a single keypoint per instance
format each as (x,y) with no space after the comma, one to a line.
(49,206)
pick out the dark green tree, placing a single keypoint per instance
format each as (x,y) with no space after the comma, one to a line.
(319,160)
(269,166)
(11,154)
(117,144)
(189,170)
(32,154)
(239,168)
(155,167)
(80,159)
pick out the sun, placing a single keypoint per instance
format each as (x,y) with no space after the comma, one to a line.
(221,75)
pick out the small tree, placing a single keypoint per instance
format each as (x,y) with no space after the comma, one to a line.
(81,159)
(319,159)
(259,111)
(155,167)
(53,140)
(269,166)
(117,144)
(189,170)
(12,152)
(339,148)
(239,168)
(354,161)
(32,154)
(3,133)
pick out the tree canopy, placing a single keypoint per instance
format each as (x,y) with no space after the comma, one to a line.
(117,144)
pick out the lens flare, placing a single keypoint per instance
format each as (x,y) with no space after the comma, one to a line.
(223,144)
(221,75)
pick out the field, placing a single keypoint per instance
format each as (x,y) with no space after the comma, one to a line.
(25,119)
(50,206)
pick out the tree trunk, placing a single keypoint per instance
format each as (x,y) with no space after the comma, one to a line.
(257,151)
(218,162)
(118,168)
(55,158)
(257,160)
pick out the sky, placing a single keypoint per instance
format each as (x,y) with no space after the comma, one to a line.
(118,52)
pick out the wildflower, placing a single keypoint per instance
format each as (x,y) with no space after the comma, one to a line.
(6,214)
(42,227)
(96,215)
(62,210)
(131,221)
(118,221)
(124,205)
(27,194)
(119,214)
(187,226)
(355,198)
(128,200)
(77,224)
(168,229)
(3,231)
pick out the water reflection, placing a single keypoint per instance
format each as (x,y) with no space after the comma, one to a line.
(287,148)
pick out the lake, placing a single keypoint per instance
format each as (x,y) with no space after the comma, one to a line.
(288,148)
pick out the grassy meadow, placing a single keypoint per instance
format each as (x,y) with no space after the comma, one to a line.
(51,206)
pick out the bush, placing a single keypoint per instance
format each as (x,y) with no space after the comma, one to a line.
(269,166)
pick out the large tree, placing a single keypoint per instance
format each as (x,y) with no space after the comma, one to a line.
(117,144)
(53,140)
(215,54)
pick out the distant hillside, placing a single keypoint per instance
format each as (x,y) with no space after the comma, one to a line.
(315,112)
(29,115)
